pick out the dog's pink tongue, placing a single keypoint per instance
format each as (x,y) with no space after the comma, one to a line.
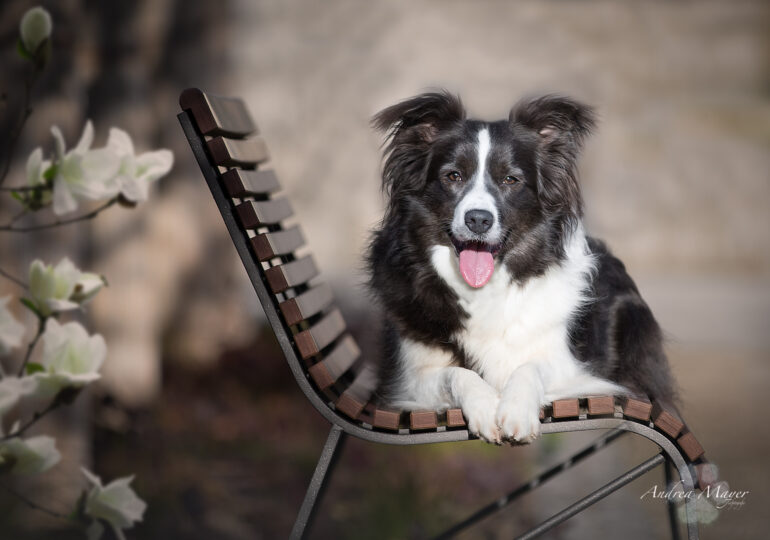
(476,267)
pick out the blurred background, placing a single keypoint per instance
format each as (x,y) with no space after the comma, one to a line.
(196,399)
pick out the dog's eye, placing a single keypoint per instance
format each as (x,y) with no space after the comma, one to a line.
(454,176)
(510,179)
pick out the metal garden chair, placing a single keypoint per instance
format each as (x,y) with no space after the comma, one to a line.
(325,360)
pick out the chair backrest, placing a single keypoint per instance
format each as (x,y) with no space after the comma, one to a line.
(310,328)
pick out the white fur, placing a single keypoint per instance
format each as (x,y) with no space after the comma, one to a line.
(478,197)
(516,338)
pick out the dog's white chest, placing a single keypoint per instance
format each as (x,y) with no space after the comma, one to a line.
(510,325)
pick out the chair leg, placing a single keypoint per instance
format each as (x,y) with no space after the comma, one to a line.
(671,504)
(315,490)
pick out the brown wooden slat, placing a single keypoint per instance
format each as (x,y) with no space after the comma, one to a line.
(707,474)
(541,414)
(636,408)
(337,362)
(306,304)
(690,446)
(386,419)
(311,341)
(666,421)
(238,153)
(598,405)
(217,115)
(566,408)
(291,274)
(353,400)
(454,418)
(241,183)
(423,420)
(273,244)
(253,214)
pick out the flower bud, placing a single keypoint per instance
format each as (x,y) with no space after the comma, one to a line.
(35,28)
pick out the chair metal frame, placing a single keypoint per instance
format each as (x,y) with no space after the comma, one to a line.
(341,426)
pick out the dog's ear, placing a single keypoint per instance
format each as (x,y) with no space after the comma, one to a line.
(412,126)
(560,125)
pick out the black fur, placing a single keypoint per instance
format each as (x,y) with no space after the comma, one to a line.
(615,335)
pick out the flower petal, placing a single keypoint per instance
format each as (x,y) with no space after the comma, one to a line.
(120,142)
(86,139)
(63,200)
(58,139)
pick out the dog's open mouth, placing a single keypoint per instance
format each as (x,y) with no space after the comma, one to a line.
(477,261)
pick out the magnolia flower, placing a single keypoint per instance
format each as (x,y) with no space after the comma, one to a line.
(36,167)
(116,503)
(61,288)
(81,173)
(28,456)
(12,389)
(11,330)
(35,28)
(71,358)
(136,172)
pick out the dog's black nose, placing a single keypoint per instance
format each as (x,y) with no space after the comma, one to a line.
(479,221)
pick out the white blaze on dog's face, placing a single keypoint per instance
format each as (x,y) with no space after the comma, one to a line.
(500,192)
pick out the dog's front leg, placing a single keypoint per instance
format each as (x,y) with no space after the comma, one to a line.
(451,386)
(518,414)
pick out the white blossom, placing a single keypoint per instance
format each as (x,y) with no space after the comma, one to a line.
(116,503)
(11,330)
(36,167)
(62,287)
(35,27)
(136,172)
(28,456)
(71,358)
(81,173)
(12,389)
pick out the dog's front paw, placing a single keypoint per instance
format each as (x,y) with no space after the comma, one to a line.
(480,411)
(519,419)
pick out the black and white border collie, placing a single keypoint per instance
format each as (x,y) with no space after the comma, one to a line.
(494,298)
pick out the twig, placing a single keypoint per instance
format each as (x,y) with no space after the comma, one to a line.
(13,278)
(31,346)
(33,504)
(26,112)
(59,222)
(32,421)
(20,188)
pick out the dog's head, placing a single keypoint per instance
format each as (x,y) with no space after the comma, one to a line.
(497,191)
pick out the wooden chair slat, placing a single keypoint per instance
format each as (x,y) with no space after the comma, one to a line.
(387,419)
(273,244)
(291,274)
(454,418)
(600,405)
(243,183)
(311,341)
(354,399)
(419,420)
(690,446)
(566,408)
(238,153)
(217,115)
(337,362)
(254,214)
(666,421)
(306,304)
(639,409)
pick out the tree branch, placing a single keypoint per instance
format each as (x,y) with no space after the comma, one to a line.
(31,346)
(26,112)
(33,504)
(59,222)
(14,279)
(32,421)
